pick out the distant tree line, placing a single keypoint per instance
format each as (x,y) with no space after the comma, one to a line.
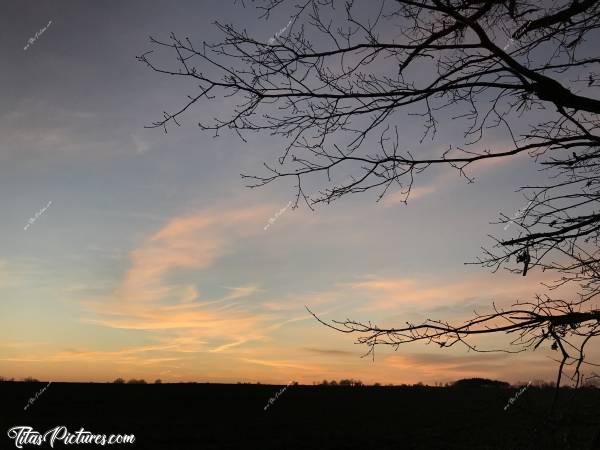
(134,381)
(480,382)
(344,382)
(591,382)
(23,380)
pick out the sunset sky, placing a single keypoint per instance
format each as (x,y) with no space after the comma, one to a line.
(153,261)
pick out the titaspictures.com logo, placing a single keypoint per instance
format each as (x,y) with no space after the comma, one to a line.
(24,435)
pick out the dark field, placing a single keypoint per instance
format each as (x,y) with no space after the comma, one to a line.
(214,416)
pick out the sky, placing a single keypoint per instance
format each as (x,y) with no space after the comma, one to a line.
(149,258)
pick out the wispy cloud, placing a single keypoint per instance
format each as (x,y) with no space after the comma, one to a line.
(329,352)
(399,197)
(426,365)
(388,293)
(141,146)
(147,300)
(285,364)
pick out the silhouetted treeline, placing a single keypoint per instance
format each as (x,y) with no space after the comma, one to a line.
(480,382)
(344,382)
(591,382)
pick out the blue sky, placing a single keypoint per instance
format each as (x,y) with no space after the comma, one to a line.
(152,260)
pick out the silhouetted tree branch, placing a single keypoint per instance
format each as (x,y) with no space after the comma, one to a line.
(334,84)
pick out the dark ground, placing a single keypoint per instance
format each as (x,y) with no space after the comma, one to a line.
(215,416)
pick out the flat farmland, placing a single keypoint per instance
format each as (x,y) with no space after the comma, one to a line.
(221,416)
